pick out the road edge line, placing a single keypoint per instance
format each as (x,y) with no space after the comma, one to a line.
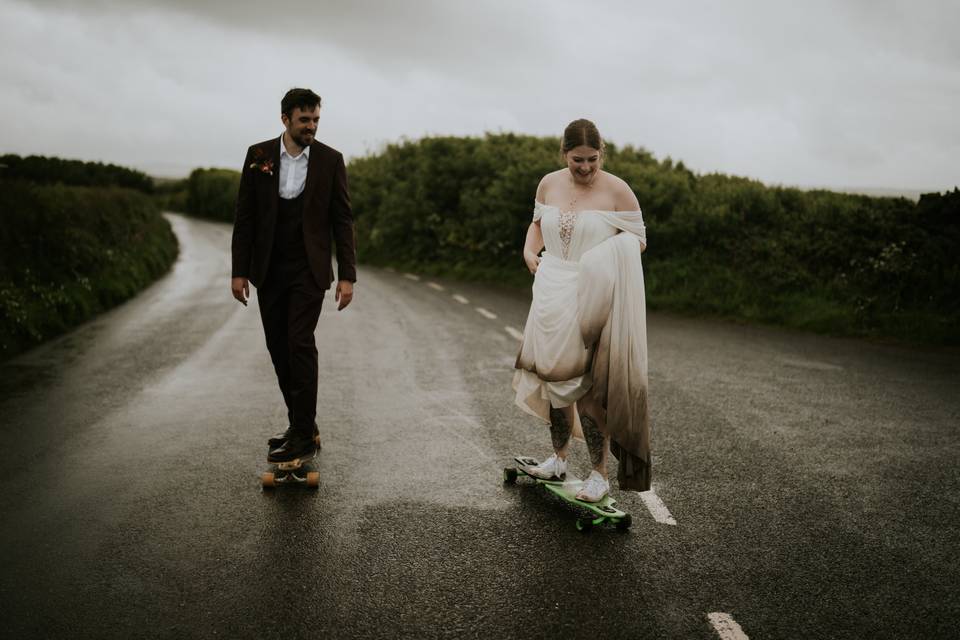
(726,627)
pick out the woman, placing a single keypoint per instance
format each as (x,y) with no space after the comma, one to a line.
(582,365)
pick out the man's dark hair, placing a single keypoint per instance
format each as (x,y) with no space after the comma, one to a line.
(304,99)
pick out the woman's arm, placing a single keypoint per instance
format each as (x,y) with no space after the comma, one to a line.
(534,242)
(626,200)
(532,246)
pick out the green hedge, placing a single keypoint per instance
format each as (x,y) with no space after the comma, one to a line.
(206,193)
(44,170)
(719,245)
(69,253)
(212,193)
(170,194)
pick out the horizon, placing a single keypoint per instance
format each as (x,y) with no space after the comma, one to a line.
(172,173)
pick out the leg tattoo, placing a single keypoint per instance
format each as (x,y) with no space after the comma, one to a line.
(559,428)
(594,437)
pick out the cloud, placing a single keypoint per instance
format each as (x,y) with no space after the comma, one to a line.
(851,93)
(393,37)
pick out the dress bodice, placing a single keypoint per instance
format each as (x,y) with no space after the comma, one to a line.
(569,235)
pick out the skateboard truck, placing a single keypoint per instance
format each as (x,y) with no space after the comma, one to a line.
(287,473)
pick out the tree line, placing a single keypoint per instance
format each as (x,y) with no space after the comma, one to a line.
(51,170)
(721,245)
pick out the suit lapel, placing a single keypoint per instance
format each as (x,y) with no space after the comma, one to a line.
(313,169)
(275,178)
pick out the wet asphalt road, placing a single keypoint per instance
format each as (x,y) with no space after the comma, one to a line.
(815,482)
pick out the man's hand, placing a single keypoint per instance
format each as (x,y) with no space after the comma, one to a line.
(344,293)
(241,289)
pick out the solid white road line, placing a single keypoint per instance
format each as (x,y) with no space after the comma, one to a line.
(435,286)
(513,332)
(656,507)
(486,314)
(459,298)
(726,627)
(411,276)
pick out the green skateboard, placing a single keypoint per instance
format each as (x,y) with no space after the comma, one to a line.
(603,511)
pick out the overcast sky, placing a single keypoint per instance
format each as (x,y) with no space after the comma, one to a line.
(845,93)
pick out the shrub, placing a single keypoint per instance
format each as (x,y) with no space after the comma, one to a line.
(719,244)
(212,193)
(44,170)
(69,253)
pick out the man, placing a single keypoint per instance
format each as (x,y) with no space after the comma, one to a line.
(293,199)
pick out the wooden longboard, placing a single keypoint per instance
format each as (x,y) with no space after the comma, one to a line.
(292,472)
(567,488)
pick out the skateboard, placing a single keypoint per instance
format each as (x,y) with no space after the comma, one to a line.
(292,472)
(603,511)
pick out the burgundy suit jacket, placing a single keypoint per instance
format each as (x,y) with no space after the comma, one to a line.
(326,214)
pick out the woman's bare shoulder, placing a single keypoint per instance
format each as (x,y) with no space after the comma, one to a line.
(622,193)
(547,182)
(553,177)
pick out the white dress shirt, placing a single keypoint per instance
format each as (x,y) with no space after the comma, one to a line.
(293,172)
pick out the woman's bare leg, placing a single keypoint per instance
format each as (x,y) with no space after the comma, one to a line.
(561,426)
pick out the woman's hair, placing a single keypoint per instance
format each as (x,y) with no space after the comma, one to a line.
(581,133)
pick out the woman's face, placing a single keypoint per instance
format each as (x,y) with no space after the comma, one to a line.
(584,164)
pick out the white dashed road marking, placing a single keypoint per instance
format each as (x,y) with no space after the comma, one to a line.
(486,314)
(726,627)
(411,276)
(656,507)
(812,364)
(459,298)
(434,285)
(513,332)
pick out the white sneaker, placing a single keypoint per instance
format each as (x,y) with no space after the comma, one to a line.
(553,468)
(595,488)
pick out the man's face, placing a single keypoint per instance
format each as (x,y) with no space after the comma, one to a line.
(302,125)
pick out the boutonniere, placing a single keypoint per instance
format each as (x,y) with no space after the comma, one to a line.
(264,164)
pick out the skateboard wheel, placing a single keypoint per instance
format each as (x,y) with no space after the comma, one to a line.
(624,523)
(584,525)
(509,475)
(313,479)
(268,480)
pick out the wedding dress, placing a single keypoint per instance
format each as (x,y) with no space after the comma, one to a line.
(586,329)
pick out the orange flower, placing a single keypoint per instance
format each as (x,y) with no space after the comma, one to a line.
(266,166)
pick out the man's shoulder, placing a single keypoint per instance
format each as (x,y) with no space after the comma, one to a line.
(324,150)
(266,144)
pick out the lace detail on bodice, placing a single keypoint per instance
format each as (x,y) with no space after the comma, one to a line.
(567,221)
